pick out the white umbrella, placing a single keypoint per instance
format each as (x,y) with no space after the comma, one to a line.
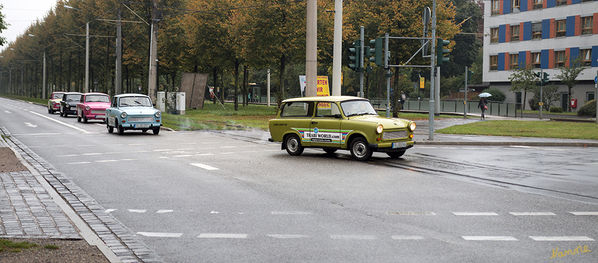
(485,95)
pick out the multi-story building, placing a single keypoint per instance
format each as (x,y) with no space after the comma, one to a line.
(542,34)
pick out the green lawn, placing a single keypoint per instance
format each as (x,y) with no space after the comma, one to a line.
(215,117)
(546,129)
(551,113)
(7,245)
(34,100)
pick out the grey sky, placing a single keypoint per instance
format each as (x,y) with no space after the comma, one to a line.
(19,14)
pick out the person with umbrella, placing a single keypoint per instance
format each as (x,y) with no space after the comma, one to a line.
(483,104)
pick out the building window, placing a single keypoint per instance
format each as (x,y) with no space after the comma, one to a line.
(537,30)
(561,28)
(516,5)
(586,25)
(536,60)
(538,4)
(495,7)
(561,2)
(494,35)
(515,33)
(590,96)
(586,57)
(514,61)
(493,62)
(559,59)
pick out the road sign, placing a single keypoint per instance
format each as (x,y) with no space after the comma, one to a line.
(422,80)
(596,80)
(541,103)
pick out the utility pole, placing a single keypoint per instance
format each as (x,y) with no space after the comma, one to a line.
(338,47)
(465,97)
(432,66)
(44,77)
(361,58)
(86,89)
(118,68)
(151,90)
(311,58)
(437,91)
(541,91)
(268,87)
(596,94)
(388,74)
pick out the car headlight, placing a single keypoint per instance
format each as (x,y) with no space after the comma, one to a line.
(87,108)
(123,115)
(157,114)
(412,126)
(379,129)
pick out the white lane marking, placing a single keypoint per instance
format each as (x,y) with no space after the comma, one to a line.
(584,213)
(532,213)
(489,238)
(561,238)
(413,213)
(403,237)
(163,157)
(521,146)
(290,213)
(79,163)
(164,211)
(68,155)
(475,214)
(108,211)
(135,144)
(127,159)
(90,154)
(353,237)
(8,112)
(214,212)
(106,161)
(162,150)
(205,154)
(141,152)
(37,134)
(222,235)
(139,211)
(286,236)
(227,147)
(57,121)
(224,153)
(182,155)
(204,166)
(159,234)
(30,125)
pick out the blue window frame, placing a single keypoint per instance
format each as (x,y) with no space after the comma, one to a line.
(550,3)
(506,6)
(501,61)
(527,31)
(545,28)
(544,58)
(570,26)
(595,56)
(502,30)
(522,59)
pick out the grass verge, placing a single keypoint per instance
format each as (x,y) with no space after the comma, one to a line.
(544,129)
(217,117)
(29,99)
(7,245)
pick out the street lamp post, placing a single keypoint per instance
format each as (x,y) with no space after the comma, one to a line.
(86,86)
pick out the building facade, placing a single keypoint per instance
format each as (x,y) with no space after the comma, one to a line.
(544,35)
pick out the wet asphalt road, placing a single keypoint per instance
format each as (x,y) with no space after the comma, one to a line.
(212,197)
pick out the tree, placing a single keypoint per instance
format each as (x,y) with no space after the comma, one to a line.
(568,75)
(3,26)
(523,80)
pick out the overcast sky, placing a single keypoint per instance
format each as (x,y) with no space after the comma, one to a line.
(19,14)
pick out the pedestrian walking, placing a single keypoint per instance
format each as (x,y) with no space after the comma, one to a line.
(483,105)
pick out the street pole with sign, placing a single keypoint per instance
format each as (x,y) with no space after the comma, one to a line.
(541,89)
(596,94)
(465,95)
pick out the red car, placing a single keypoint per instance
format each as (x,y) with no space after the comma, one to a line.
(93,106)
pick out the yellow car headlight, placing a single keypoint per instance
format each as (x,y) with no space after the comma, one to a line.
(379,129)
(412,126)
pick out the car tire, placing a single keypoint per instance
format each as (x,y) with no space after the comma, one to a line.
(330,150)
(78,118)
(293,145)
(110,128)
(396,155)
(84,119)
(49,111)
(156,130)
(61,113)
(121,130)
(360,149)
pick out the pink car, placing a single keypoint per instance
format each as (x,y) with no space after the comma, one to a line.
(93,106)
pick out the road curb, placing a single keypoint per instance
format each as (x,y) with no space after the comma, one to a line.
(537,144)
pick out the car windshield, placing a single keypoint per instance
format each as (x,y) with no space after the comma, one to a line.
(96,98)
(73,97)
(357,107)
(57,96)
(135,102)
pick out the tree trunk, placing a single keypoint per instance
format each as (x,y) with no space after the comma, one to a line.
(236,84)
(281,79)
(524,101)
(569,98)
(245,85)
(215,82)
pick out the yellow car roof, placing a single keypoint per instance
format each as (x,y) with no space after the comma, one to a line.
(324,98)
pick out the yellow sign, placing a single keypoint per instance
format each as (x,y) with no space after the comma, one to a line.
(322,85)
(422,80)
(541,103)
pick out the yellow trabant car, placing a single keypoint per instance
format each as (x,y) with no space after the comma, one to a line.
(339,122)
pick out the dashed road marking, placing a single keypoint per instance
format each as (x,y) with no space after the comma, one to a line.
(222,235)
(108,211)
(412,213)
(204,154)
(159,234)
(205,166)
(291,213)
(353,237)
(214,212)
(106,161)
(532,213)
(227,147)
(164,211)
(287,236)
(8,112)
(60,122)
(68,155)
(406,237)
(30,125)
(163,150)
(90,154)
(584,213)
(79,163)
(489,238)
(561,238)
(182,155)
(139,211)
(475,214)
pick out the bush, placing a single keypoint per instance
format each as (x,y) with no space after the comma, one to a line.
(533,103)
(497,95)
(556,109)
(588,110)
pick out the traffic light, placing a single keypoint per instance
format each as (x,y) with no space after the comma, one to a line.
(542,78)
(442,52)
(375,52)
(355,56)
(469,74)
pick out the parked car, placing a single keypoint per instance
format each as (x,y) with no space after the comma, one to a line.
(133,112)
(54,101)
(68,105)
(341,122)
(93,106)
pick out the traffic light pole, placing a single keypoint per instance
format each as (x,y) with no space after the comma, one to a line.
(432,65)
(465,97)
(596,95)
(388,74)
(362,51)
(541,89)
